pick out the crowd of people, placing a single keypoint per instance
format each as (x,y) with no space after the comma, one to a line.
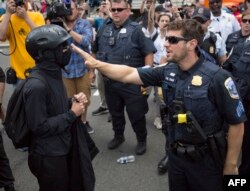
(193,59)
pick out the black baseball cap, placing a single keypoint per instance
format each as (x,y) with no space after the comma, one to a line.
(202,13)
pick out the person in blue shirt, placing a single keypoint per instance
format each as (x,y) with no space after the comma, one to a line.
(76,75)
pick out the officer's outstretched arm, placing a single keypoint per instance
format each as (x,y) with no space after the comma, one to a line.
(116,72)
(234,141)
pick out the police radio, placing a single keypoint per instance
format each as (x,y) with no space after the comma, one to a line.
(111,41)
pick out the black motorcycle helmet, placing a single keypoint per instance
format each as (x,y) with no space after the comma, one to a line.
(46,37)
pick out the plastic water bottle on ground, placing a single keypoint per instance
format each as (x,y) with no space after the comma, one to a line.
(126,159)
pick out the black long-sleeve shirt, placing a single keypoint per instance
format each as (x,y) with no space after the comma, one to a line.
(48,114)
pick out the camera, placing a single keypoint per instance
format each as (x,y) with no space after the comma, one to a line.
(19,2)
(178,106)
(59,9)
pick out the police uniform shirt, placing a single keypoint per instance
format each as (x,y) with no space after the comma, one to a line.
(94,47)
(222,90)
(142,43)
(239,65)
(234,39)
(145,43)
(219,44)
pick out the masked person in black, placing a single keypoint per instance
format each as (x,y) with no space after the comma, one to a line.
(199,97)
(50,114)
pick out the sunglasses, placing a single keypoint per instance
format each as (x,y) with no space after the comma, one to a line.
(174,39)
(117,10)
(245,20)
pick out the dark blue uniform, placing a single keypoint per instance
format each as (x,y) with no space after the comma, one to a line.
(209,93)
(239,65)
(126,45)
(233,39)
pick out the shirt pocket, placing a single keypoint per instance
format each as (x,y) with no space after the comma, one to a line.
(197,102)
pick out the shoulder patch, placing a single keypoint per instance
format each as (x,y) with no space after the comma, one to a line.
(240,109)
(231,88)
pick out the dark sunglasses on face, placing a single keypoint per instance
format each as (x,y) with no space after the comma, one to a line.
(118,10)
(174,39)
(246,20)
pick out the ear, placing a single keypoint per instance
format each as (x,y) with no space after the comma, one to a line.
(208,23)
(192,44)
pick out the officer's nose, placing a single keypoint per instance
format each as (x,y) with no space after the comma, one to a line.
(166,43)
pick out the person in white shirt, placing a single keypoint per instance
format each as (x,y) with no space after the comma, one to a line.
(221,22)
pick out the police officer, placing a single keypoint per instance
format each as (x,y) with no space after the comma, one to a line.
(199,96)
(239,65)
(241,35)
(122,41)
(212,42)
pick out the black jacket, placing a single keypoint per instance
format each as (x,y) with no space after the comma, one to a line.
(83,150)
(56,131)
(48,115)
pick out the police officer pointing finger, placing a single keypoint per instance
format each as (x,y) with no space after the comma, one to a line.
(199,97)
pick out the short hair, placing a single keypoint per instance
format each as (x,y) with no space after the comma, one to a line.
(245,13)
(190,29)
(119,1)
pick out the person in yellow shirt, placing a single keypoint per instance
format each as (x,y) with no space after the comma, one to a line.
(15,25)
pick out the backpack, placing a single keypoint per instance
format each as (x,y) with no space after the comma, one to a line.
(15,122)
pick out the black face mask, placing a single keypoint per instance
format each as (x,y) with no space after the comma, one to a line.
(63,55)
(65,58)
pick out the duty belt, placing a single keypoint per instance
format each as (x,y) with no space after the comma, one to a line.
(189,151)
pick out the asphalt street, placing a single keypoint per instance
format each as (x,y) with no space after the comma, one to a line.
(140,175)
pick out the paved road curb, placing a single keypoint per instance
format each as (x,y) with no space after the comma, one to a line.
(4,45)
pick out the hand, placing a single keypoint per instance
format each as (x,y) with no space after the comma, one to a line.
(230,169)
(81,98)
(89,60)
(21,12)
(78,108)
(64,23)
(10,7)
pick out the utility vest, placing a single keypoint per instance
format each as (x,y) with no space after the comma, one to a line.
(241,71)
(116,46)
(209,45)
(234,39)
(193,91)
